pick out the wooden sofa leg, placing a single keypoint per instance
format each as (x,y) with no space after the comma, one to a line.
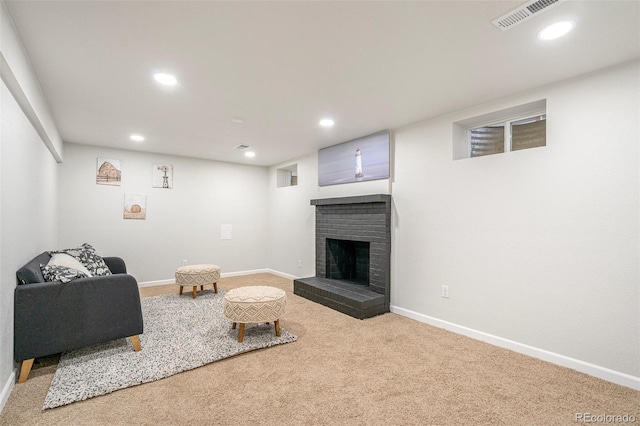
(25,369)
(135,341)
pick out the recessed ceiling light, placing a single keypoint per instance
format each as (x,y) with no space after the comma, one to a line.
(556,30)
(326,122)
(165,79)
(237,119)
(136,138)
(250,154)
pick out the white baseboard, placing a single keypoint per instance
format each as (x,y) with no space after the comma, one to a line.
(223,275)
(7,388)
(600,372)
(239,273)
(154,283)
(282,274)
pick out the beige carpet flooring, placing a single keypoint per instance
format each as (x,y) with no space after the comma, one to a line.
(387,370)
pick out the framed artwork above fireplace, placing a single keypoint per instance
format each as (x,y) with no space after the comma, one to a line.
(361,159)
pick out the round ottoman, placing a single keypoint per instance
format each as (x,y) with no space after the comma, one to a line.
(255,304)
(198,275)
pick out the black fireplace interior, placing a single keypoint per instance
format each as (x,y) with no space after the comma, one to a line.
(348,261)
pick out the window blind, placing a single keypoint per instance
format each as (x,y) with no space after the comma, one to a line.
(528,134)
(487,140)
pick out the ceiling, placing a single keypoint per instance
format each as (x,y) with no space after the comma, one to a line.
(283,66)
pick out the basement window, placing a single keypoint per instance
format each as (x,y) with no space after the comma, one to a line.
(512,129)
(287,176)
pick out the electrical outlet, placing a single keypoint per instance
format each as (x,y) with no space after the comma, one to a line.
(299,263)
(445,291)
(184,262)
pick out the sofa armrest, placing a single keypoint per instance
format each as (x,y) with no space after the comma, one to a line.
(31,273)
(54,317)
(116,265)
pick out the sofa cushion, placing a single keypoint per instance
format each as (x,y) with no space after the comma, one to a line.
(63,259)
(60,273)
(87,255)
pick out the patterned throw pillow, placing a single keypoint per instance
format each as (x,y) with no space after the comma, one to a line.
(87,255)
(60,273)
(63,259)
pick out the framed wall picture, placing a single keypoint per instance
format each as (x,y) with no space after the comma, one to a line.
(361,159)
(108,172)
(162,176)
(135,206)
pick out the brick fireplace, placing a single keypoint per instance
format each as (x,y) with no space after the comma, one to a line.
(353,255)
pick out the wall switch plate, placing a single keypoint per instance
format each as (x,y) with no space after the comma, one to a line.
(299,263)
(184,262)
(445,291)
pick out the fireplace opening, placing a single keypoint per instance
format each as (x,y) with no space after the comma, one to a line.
(348,261)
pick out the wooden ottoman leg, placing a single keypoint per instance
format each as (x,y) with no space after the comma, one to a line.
(195,291)
(201,288)
(241,333)
(233,326)
(215,287)
(180,290)
(277,322)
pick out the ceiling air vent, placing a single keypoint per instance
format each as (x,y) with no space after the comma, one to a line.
(242,147)
(524,12)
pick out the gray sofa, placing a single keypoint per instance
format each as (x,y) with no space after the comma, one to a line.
(53,317)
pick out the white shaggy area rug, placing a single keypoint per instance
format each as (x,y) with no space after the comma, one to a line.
(180,334)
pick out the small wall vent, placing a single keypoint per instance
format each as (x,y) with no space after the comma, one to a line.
(524,12)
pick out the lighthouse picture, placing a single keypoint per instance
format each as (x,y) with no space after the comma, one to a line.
(358,163)
(372,152)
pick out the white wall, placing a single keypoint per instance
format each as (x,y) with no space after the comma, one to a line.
(28,211)
(539,246)
(182,223)
(28,179)
(292,217)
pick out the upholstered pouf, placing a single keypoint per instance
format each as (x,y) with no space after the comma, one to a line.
(198,275)
(255,304)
